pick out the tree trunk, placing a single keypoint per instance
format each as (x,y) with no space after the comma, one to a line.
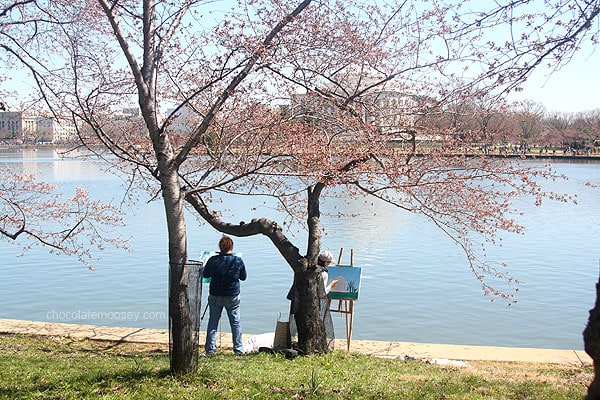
(182,346)
(312,337)
(591,340)
(312,333)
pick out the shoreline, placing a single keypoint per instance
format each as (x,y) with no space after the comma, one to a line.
(558,156)
(404,350)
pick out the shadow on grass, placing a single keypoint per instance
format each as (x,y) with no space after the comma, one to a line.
(71,368)
(89,383)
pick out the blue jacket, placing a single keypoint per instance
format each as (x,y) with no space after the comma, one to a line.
(225,272)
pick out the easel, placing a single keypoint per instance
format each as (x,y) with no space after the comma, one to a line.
(345,306)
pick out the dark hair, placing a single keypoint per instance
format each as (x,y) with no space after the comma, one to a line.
(226,244)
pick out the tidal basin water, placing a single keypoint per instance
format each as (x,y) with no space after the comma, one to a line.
(416,284)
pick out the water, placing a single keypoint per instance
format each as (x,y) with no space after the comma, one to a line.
(416,284)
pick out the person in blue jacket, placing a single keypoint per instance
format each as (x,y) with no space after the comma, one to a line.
(225,271)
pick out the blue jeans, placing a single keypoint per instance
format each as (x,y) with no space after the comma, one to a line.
(232,306)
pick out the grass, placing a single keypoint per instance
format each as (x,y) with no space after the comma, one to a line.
(36,367)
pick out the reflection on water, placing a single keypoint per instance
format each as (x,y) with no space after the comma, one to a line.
(416,283)
(50,164)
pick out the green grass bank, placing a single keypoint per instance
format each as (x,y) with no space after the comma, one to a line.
(54,367)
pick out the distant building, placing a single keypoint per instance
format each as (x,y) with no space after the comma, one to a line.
(184,120)
(16,126)
(132,112)
(55,131)
(391,112)
(127,122)
(20,127)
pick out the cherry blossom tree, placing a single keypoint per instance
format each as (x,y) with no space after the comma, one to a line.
(297,101)
(37,213)
(587,126)
(556,129)
(492,121)
(528,121)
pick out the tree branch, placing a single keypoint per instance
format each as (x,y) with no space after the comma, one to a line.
(261,226)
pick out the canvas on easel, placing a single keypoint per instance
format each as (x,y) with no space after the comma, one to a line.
(348,282)
(345,291)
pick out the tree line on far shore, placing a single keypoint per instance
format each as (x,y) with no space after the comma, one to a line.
(519,128)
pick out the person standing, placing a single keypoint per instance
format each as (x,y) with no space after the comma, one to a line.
(225,271)
(324,259)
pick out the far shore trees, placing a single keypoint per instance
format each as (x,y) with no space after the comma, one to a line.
(295,101)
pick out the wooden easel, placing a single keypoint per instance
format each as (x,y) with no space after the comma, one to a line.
(345,306)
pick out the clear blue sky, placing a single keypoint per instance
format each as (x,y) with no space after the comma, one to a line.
(575,87)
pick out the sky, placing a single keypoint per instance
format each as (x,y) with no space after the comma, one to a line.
(574,88)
